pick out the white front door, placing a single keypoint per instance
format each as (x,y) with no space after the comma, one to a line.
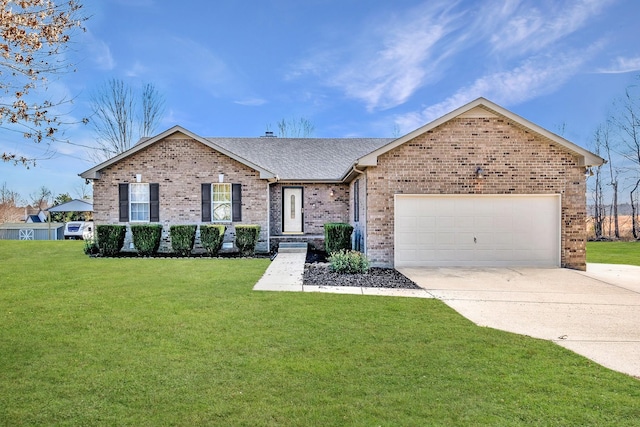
(292,210)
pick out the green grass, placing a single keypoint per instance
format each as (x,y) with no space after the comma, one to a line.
(614,252)
(186,342)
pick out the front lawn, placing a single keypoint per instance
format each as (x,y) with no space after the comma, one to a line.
(186,342)
(614,252)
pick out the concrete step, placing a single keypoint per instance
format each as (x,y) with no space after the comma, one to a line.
(292,247)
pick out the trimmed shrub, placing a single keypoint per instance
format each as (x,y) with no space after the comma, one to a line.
(348,262)
(211,237)
(182,238)
(146,238)
(337,236)
(110,238)
(247,238)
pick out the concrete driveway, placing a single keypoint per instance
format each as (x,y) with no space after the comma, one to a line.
(594,313)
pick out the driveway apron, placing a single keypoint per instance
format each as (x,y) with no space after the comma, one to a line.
(594,313)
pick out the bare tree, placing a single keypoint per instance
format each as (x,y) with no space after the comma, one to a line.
(599,210)
(84,191)
(607,145)
(152,110)
(628,124)
(296,128)
(34,36)
(117,123)
(41,199)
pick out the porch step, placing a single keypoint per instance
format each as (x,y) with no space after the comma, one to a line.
(292,247)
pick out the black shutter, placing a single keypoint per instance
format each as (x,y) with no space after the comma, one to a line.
(236,202)
(123,200)
(206,202)
(154,202)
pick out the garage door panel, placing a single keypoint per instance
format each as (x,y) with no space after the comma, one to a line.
(464,223)
(477,230)
(425,222)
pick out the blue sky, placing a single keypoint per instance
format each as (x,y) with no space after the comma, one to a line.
(351,67)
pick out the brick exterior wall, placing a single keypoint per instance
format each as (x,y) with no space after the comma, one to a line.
(180,165)
(443,161)
(319,207)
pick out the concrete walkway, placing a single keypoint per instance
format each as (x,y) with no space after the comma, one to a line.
(285,274)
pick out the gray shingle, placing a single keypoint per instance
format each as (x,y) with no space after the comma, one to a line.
(305,159)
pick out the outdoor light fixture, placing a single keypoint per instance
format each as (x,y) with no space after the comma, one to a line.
(588,172)
(331,192)
(480,172)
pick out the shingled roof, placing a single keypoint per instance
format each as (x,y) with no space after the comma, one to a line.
(302,159)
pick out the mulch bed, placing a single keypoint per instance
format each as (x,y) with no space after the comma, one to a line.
(317,273)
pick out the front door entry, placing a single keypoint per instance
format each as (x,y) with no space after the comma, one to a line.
(292,210)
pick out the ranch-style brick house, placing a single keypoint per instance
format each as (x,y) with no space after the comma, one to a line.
(480,186)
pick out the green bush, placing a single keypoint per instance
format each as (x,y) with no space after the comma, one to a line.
(146,238)
(211,237)
(337,236)
(182,238)
(91,247)
(247,238)
(348,262)
(110,238)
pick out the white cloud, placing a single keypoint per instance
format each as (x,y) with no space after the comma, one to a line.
(532,78)
(387,62)
(100,52)
(530,29)
(622,65)
(251,102)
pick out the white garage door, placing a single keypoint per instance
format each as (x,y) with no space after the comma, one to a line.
(477,230)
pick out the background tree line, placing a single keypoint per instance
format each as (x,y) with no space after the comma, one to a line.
(615,186)
(14,207)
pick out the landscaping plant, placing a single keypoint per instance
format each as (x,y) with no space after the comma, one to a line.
(146,238)
(247,238)
(211,238)
(182,238)
(348,262)
(337,236)
(110,238)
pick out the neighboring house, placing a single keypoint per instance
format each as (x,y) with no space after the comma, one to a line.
(40,217)
(479,186)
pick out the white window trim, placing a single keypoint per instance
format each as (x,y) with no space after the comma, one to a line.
(214,203)
(131,202)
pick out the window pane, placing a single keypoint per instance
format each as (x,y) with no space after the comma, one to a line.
(221,192)
(222,212)
(139,192)
(139,212)
(293,206)
(221,202)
